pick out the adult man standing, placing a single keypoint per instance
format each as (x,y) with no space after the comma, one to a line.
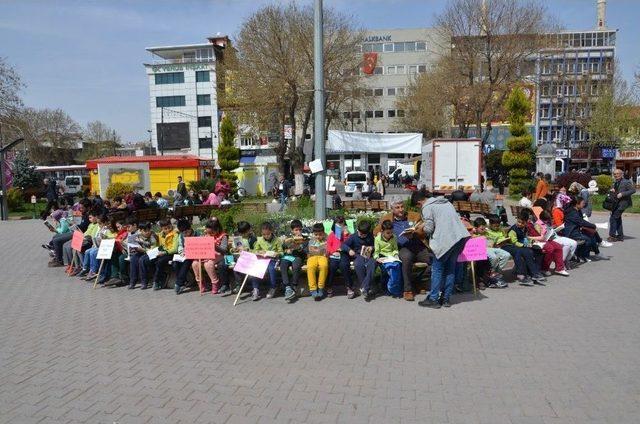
(181,188)
(542,188)
(447,237)
(622,189)
(412,249)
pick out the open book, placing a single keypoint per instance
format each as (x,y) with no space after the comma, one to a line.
(366,251)
(388,259)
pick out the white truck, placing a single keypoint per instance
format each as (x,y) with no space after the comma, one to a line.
(451,163)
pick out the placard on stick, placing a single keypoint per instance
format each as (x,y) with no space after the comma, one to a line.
(76,240)
(475,249)
(250,264)
(200,248)
(106,249)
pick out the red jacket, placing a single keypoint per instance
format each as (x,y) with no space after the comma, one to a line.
(333,243)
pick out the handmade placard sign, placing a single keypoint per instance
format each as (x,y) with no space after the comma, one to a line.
(76,240)
(199,248)
(475,249)
(249,264)
(106,249)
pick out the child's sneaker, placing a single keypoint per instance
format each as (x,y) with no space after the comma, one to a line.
(350,294)
(224,289)
(525,281)
(255,294)
(563,272)
(329,292)
(271,293)
(314,293)
(90,276)
(320,294)
(289,294)
(81,273)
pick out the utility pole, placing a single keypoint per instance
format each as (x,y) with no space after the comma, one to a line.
(318,112)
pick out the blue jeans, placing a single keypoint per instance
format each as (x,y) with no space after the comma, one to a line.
(443,272)
(343,264)
(364,267)
(271,273)
(283,201)
(90,260)
(139,267)
(181,269)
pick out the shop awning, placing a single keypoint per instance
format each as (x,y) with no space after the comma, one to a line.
(358,142)
(247,160)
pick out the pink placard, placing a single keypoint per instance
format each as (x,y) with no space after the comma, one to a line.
(76,240)
(200,248)
(474,250)
(250,264)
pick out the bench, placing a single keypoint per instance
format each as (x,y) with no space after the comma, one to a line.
(149,214)
(364,205)
(472,207)
(515,210)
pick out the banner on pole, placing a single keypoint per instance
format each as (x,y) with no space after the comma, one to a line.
(475,249)
(250,264)
(76,240)
(106,249)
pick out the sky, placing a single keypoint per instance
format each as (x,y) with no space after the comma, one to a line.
(86,57)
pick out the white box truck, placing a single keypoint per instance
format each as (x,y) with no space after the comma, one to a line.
(450,163)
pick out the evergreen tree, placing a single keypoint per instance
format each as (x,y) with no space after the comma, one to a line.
(518,157)
(24,172)
(228,153)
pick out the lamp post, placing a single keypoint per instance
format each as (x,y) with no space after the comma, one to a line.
(318,112)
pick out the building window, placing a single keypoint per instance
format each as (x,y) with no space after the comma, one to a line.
(378,92)
(391,113)
(170,101)
(205,143)
(379,114)
(400,69)
(542,135)
(410,46)
(377,70)
(346,115)
(391,70)
(368,114)
(204,99)
(400,91)
(400,113)
(170,78)
(248,141)
(413,69)
(391,91)
(544,112)
(368,92)
(204,121)
(421,46)
(355,114)
(388,47)
(422,69)
(595,67)
(202,76)
(398,47)
(546,67)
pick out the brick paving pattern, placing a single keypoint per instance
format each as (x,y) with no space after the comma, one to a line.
(564,353)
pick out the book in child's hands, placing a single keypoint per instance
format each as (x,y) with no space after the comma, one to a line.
(366,251)
(50,226)
(388,259)
(270,254)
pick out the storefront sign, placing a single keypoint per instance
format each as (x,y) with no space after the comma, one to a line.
(608,153)
(288,132)
(628,154)
(377,38)
(562,153)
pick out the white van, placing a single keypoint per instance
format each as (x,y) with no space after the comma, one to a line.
(73,184)
(354,179)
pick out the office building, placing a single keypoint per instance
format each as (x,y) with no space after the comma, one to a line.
(183,98)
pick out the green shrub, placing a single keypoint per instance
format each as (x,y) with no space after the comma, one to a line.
(605,182)
(15,202)
(204,184)
(118,189)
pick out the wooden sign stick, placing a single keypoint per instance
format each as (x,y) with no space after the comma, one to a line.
(246,276)
(95,283)
(473,278)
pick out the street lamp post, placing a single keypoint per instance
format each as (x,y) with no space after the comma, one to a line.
(318,113)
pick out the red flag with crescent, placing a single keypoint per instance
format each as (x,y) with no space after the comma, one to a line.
(369,63)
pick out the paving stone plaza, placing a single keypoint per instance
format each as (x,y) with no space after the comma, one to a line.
(564,353)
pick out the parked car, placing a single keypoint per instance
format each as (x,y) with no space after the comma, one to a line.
(354,179)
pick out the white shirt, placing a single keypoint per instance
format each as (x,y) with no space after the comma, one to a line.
(525,203)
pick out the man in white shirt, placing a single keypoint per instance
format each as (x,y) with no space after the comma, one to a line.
(525,202)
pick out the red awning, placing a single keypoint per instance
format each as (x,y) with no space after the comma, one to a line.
(169,161)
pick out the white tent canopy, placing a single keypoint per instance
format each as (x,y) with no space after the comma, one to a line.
(359,142)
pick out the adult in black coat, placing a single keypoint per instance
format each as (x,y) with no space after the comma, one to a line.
(622,189)
(576,228)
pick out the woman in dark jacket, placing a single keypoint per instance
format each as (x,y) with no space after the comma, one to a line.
(576,228)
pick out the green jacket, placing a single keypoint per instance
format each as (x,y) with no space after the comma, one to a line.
(384,248)
(274,245)
(92,230)
(494,237)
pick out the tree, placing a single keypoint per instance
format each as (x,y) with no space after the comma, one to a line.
(273,82)
(519,155)
(51,135)
(228,153)
(24,172)
(99,141)
(10,86)
(613,116)
(486,48)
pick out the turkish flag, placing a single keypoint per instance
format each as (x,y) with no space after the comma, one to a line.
(369,63)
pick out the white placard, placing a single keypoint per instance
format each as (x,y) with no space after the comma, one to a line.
(602,225)
(153,253)
(315,166)
(106,248)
